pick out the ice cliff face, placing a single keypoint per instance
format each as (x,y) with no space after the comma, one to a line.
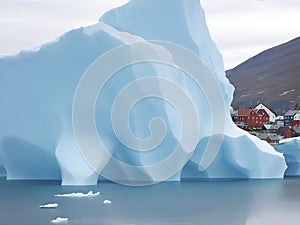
(37,90)
(291,151)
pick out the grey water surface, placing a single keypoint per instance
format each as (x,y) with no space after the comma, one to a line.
(229,202)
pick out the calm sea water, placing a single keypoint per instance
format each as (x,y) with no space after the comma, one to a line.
(240,202)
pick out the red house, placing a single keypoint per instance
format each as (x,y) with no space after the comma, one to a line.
(252,118)
(295,123)
(288,133)
(265,118)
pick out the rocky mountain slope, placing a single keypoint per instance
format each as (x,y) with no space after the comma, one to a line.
(271,77)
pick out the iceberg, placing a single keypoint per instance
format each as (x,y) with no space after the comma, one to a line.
(60,220)
(78,195)
(290,148)
(106,202)
(165,88)
(237,159)
(49,206)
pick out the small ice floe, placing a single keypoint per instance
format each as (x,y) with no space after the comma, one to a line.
(60,220)
(79,195)
(49,206)
(106,202)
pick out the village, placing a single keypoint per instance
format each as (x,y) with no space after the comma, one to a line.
(262,122)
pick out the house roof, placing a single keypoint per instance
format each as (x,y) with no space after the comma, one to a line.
(291,113)
(244,112)
(269,108)
(271,127)
(282,130)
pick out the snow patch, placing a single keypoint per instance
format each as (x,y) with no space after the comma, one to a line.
(246,95)
(260,92)
(257,93)
(286,92)
(263,77)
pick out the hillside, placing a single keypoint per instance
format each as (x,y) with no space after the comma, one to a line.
(271,77)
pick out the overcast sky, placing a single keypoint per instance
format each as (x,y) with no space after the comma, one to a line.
(240,28)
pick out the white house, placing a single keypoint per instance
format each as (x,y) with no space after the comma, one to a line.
(270,113)
(297,116)
(280,121)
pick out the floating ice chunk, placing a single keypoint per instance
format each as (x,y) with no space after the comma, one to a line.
(106,202)
(79,194)
(49,206)
(60,220)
